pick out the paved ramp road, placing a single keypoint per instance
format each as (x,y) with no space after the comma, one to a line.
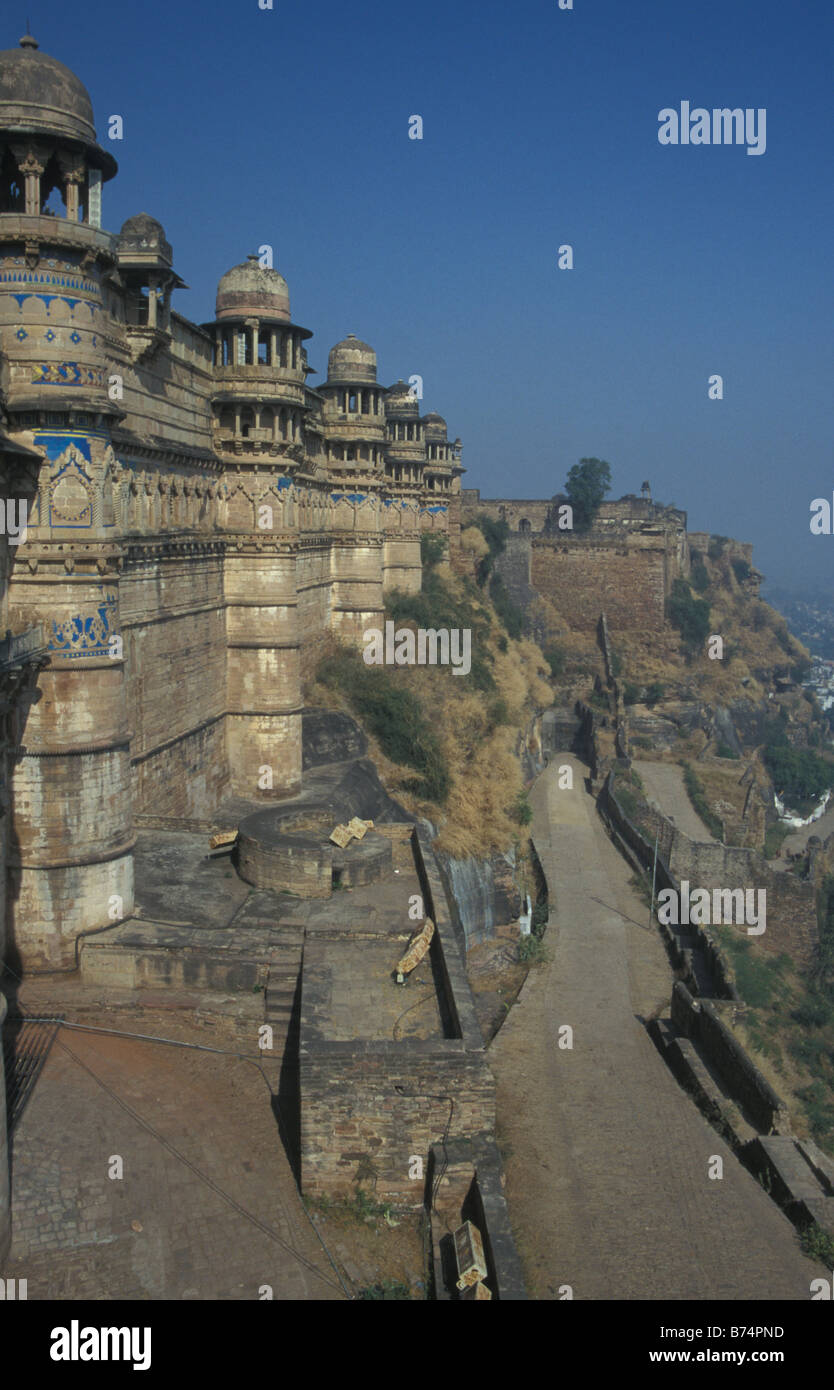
(666,788)
(607,1169)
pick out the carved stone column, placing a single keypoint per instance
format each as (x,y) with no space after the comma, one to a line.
(32,170)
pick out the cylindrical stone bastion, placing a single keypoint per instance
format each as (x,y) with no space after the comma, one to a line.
(290,851)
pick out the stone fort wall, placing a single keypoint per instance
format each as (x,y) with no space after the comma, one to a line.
(624,567)
(584,580)
(177,624)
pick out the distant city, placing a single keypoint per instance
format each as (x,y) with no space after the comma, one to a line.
(810,617)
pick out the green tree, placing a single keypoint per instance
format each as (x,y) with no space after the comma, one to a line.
(587,483)
(691,616)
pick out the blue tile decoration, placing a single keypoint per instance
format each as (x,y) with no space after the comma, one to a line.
(80,636)
(65,374)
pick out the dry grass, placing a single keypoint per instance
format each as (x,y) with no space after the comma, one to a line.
(479,733)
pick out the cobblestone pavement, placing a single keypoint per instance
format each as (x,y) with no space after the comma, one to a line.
(607,1158)
(162,1231)
(665,787)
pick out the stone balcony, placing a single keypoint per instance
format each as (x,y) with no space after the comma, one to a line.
(55,231)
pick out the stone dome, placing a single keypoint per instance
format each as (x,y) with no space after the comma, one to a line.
(40,96)
(250,289)
(435,427)
(351,360)
(37,93)
(402,402)
(142,236)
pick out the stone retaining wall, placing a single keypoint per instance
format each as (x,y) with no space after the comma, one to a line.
(700,1021)
(369,1107)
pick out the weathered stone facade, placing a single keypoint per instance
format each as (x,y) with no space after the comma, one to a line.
(624,566)
(200,520)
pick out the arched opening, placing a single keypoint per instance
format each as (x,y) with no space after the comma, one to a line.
(52,190)
(247,421)
(524,526)
(11,185)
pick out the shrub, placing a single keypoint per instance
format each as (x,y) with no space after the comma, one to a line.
(388,1290)
(801,671)
(654,693)
(498,712)
(774,837)
(631,693)
(538,923)
(521,810)
(700,803)
(432,550)
(716,547)
(799,775)
(699,576)
(741,569)
(818,1244)
(725,751)
(495,534)
(813,1012)
(691,616)
(555,658)
(628,801)
(394,715)
(532,951)
(508,611)
(437,607)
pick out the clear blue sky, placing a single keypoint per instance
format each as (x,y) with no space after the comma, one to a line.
(290,126)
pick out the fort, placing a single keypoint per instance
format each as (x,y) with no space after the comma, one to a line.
(177,628)
(624,566)
(199,523)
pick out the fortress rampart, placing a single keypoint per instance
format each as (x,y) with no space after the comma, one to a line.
(624,566)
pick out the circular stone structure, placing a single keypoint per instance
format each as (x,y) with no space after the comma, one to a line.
(290,851)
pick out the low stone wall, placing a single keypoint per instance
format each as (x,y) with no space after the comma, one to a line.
(465,1178)
(641,854)
(700,1021)
(119,965)
(368,1108)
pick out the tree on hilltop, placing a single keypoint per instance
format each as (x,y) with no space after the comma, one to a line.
(586,486)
